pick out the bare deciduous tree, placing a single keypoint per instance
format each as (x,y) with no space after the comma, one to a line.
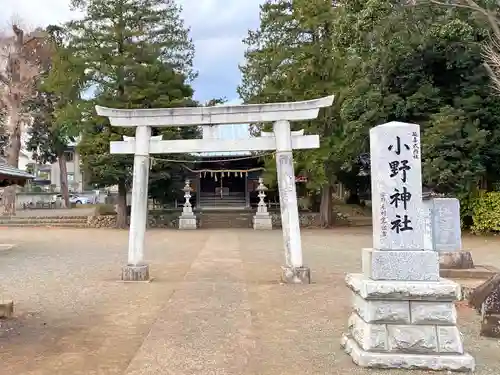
(21,56)
(491,50)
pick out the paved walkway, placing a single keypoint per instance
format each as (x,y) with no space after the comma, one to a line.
(215,306)
(207,326)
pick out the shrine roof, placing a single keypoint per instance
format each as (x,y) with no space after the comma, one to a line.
(9,175)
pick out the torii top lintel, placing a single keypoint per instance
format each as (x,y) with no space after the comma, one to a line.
(230,114)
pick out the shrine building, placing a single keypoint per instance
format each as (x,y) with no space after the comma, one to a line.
(229,179)
(226,180)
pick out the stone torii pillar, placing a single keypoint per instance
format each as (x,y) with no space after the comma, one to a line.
(282,140)
(293,271)
(136,270)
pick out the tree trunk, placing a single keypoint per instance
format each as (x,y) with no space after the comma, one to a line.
(121,207)
(9,200)
(63,179)
(12,154)
(325,208)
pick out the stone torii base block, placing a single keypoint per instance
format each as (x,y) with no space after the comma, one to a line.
(299,275)
(135,273)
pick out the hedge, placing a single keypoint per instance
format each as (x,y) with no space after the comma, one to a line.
(486,213)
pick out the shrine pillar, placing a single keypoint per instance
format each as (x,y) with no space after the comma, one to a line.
(293,270)
(136,269)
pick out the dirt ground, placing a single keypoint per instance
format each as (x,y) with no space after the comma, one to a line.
(215,306)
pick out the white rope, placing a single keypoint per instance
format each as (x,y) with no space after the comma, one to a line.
(212,161)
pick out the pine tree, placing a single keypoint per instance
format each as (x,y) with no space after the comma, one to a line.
(138,55)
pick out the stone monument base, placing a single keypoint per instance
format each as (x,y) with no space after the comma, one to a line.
(262,222)
(455,260)
(394,265)
(135,272)
(298,275)
(459,363)
(187,222)
(405,324)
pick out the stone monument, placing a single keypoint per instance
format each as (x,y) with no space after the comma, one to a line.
(443,232)
(262,219)
(404,315)
(187,220)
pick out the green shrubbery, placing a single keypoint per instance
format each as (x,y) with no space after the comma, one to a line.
(485,211)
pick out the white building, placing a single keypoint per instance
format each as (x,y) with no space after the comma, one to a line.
(24,160)
(52,172)
(74,171)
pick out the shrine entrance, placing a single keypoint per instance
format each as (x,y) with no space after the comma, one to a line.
(222,186)
(282,140)
(222,191)
(226,183)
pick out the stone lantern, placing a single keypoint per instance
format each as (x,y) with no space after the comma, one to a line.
(187,220)
(262,220)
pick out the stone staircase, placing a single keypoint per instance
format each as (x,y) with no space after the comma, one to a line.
(213,201)
(225,219)
(44,221)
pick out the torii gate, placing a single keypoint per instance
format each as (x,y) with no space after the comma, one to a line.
(283,141)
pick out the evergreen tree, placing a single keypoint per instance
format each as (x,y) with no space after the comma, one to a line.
(289,58)
(138,55)
(385,61)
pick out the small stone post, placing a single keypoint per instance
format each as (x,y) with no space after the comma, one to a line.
(294,270)
(443,234)
(262,220)
(403,312)
(136,270)
(187,220)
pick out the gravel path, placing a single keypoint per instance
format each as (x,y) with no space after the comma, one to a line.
(215,306)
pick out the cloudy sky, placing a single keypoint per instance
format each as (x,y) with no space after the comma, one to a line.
(217,28)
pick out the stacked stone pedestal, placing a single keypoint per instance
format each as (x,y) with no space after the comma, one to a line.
(262,221)
(456,260)
(405,324)
(404,314)
(187,221)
